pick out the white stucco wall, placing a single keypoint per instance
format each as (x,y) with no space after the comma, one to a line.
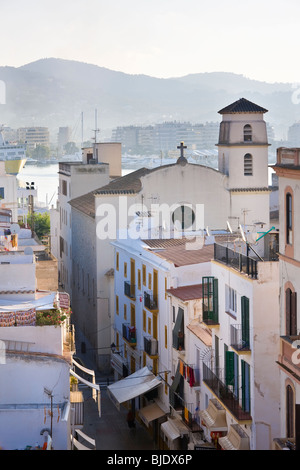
(42,339)
(17,276)
(9,183)
(24,405)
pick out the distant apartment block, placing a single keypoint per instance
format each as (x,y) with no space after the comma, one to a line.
(33,136)
(294,135)
(63,136)
(165,136)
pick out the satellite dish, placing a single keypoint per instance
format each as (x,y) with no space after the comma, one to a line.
(15,228)
(28,250)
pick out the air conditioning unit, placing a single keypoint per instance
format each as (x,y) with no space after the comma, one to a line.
(153,347)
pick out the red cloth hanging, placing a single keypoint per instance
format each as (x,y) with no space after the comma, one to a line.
(192,377)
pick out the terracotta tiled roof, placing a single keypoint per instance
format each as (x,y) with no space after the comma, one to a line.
(85,204)
(186,293)
(183,254)
(163,243)
(128,184)
(242,106)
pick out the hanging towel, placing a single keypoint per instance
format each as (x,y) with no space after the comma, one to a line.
(186,414)
(192,377)
(181,367)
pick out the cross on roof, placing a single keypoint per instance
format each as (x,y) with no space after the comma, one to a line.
(182,147)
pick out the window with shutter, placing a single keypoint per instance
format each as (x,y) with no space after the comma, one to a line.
(245,322)
(210,306)
(289,218)
(247,133)
(229,368)
(294,313)
(290,406)
(291,312)
(245,386)
(248,165)
(178,331)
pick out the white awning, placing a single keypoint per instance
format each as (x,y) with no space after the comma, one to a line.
(214,417)
(174,428)
(136,384)
(170,431)
(41,302)
(236,439)
(150,413)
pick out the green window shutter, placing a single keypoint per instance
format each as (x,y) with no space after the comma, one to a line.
(245,386)
(245,321)
(236,376)
(178,330)
(210,299)
(215,301)
(229,367)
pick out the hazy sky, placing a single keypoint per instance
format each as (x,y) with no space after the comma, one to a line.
(160,38)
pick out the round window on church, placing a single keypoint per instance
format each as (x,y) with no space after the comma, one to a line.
(183,217)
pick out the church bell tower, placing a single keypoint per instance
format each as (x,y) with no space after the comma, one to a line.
(243,158)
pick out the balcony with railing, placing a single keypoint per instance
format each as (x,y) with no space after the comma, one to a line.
(225,394)
(239,339)
(129,333)
(185,411)
(150,301)
(190,417)
(236,260)
(129,289)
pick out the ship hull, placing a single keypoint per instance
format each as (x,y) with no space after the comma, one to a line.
(13,167)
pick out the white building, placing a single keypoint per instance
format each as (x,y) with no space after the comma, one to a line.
(240,305)
(287,170)
(8,192)
(193,195)
(35,382)
(35,364)
(75,179)
(186,392)
(37,343)
(150,277)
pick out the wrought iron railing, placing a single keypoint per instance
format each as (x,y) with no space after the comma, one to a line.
(224,393)
(150,301)
(239,339)
(236,260)
(129,289)
(129,333)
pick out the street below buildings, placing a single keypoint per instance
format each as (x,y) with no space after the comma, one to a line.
(111,431)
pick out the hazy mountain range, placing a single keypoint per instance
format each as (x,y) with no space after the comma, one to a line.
(54,93)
